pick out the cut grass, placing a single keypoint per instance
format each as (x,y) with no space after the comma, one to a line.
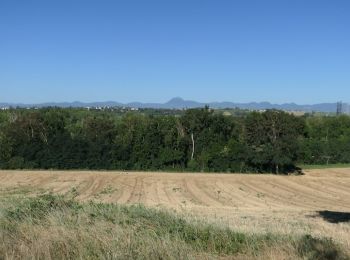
(54,227)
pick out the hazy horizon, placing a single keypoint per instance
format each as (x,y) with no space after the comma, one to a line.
(162,101)
(167,101)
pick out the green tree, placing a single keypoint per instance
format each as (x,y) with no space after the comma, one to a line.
(272,138)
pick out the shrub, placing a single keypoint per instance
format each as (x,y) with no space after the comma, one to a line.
(319,249)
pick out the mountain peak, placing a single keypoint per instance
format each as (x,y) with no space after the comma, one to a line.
(180,103)
(176,100)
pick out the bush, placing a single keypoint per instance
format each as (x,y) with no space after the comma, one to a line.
(16,163)
(319,249)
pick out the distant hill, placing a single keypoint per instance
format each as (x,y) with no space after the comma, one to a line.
(179,103)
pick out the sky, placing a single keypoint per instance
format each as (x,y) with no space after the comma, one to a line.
(151,51)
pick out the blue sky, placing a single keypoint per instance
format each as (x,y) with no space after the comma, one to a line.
(278,51)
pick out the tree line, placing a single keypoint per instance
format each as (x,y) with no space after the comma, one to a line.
(197,140)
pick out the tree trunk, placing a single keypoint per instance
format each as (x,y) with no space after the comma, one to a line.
(277,169)
(192,138)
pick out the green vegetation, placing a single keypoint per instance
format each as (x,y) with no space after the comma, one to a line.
(172,140)
(324,166)
(54,227)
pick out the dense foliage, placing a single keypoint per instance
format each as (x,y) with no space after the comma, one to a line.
(195,140)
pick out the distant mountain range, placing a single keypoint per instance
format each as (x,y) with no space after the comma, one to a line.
(179,103)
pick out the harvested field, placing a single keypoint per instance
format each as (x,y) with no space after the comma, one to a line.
(317,202)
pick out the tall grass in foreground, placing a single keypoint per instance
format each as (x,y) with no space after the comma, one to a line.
(54,227)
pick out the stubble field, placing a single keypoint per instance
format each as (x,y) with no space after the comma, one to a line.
(316,203)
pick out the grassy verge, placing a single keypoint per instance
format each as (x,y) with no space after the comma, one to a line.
(324,166)
(55,227)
